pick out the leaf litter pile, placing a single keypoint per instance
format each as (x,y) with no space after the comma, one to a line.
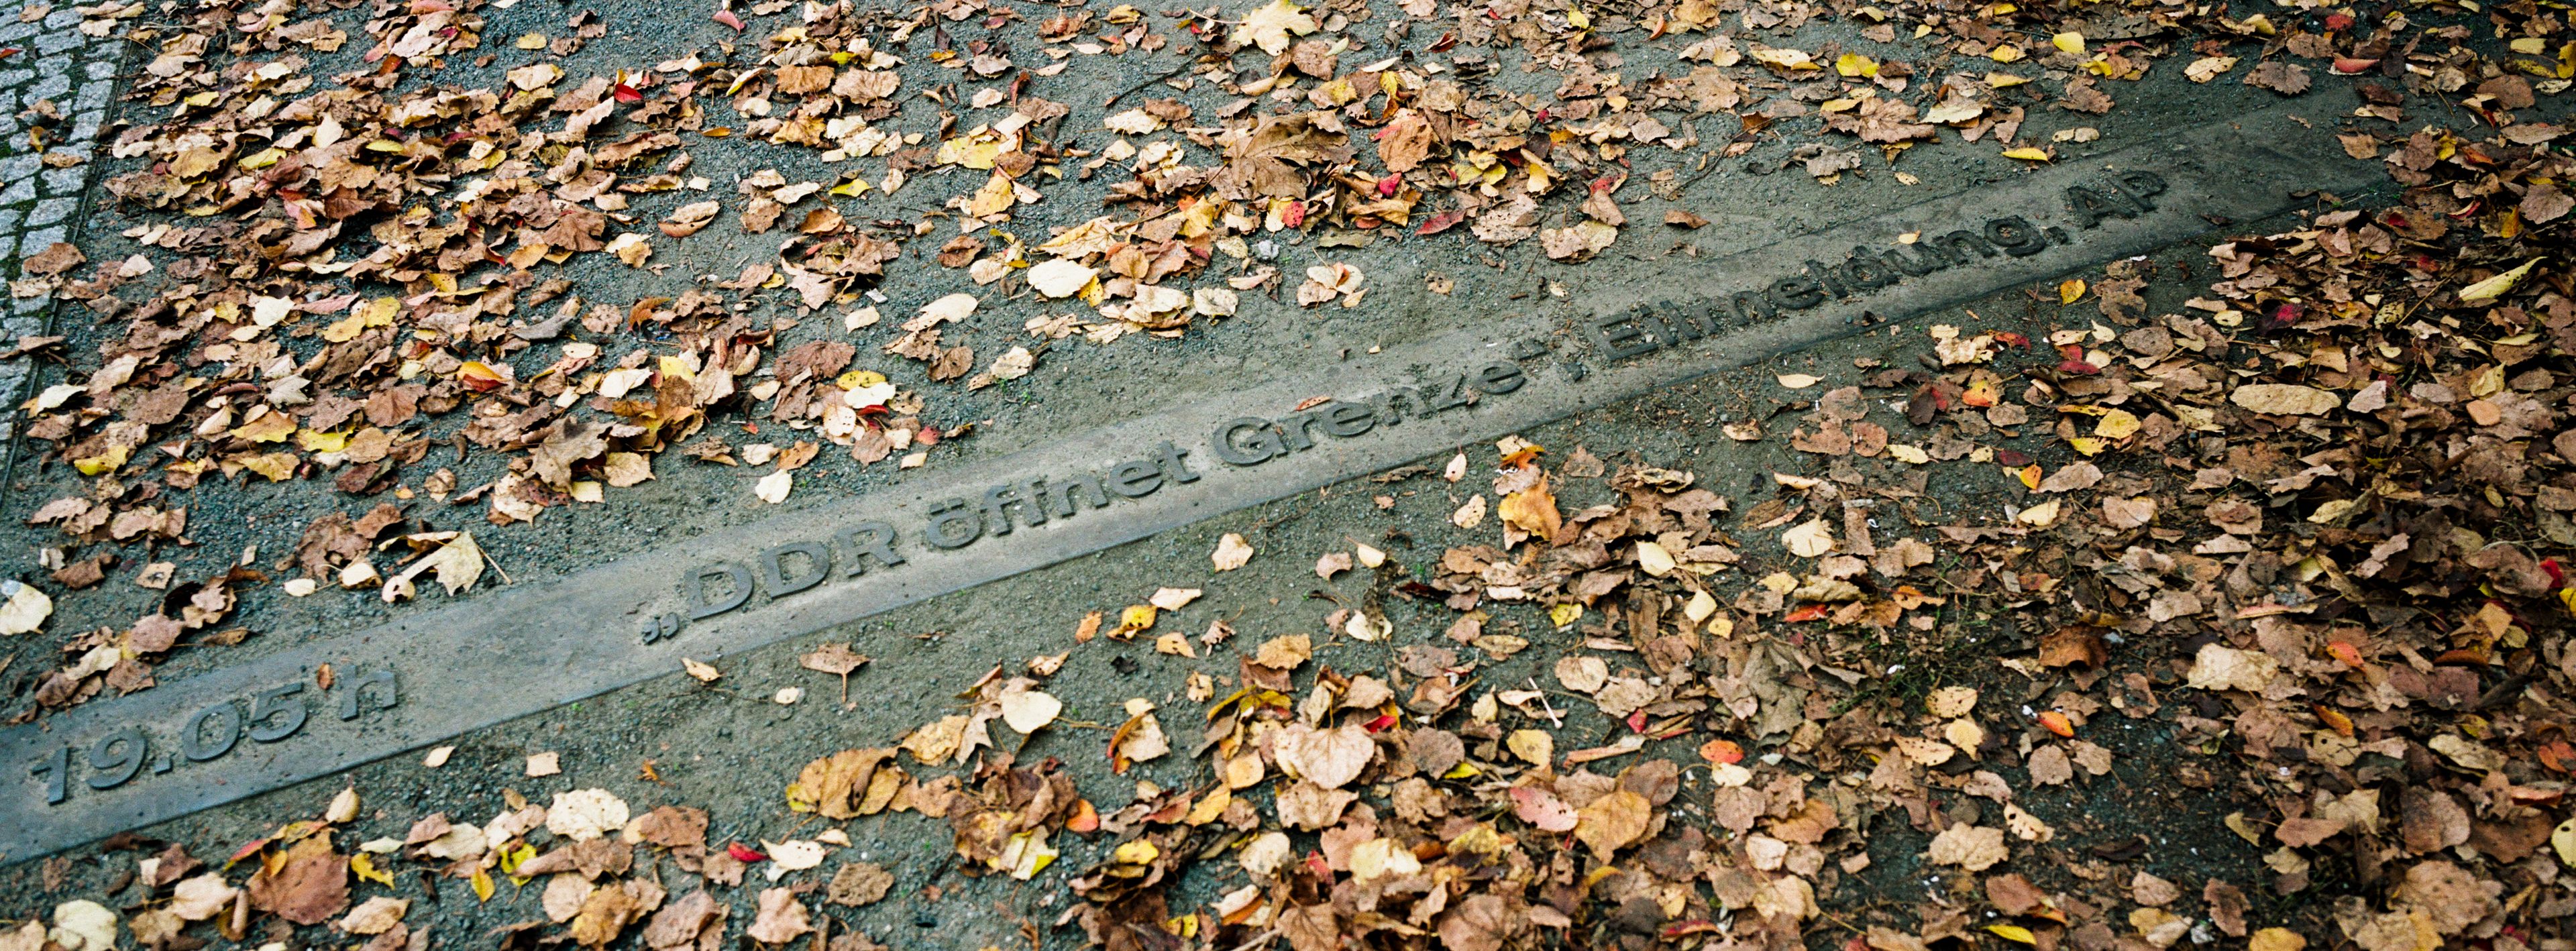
(2306,529)
(404,273)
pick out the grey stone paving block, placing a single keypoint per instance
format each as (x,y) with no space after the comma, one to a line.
(64,181)
(52,43)
(43,238)
(18,167)
(8,245)
(12,77)
(92,96)
(29,305)
(56,65)
(21,190)
(52,210)
(63,19)
(47,88)
(9,220)
(25,327)
(14,31)
(85,127)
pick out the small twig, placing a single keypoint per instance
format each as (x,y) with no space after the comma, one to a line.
(1174,71)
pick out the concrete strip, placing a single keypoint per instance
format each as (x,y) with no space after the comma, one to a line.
(123,763)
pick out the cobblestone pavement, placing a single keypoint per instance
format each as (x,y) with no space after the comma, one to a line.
(55,90)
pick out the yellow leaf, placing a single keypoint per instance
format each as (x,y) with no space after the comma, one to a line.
(321,442)
(1137,617)
(482,882)
(1854,64)
(2013,933)
(512,856)
(2027,153)
(2117,424)
(266,427)
(365,867)
(2494,287)
(345,329)
(2068,42)
(102,463)
(1793,60)
(975,150)
(2006,53)
(1564,614)
(2276,939)
(1026,855)
(2072,289)
(277,466)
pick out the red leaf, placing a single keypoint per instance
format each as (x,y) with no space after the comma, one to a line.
(1441,222)
(627,94)
(727,18)
(1812,612)
(744,854)
(1721,751)
(2057,723)
(2353,67)
(2557,755)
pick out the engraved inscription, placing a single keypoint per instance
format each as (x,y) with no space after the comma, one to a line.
(268,716)
(1010,509)
(1639,331)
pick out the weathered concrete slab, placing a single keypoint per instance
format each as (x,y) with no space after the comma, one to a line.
(116,764)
